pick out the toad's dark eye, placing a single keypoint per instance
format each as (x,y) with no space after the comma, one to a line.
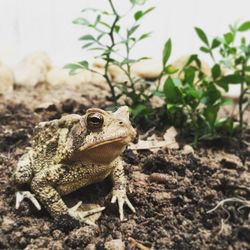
(94,121)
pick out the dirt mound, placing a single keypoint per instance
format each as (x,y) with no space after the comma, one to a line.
(172,194)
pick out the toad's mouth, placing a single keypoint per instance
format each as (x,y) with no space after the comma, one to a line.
(106,142)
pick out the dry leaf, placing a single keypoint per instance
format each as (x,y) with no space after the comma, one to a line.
(135,243)
(151,145)
(154,143)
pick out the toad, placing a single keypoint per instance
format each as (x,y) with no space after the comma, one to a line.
(73,152)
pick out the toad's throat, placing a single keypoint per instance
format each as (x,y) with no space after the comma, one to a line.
(105,151)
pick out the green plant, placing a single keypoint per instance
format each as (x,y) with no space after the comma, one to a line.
(193,100)
(194,96)
(230,55)
(114,43)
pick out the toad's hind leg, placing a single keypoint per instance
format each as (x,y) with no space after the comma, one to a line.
(44,185)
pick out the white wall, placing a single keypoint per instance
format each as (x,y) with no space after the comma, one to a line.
(28,25)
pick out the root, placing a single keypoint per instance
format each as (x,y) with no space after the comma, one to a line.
(245,203)
(225,228)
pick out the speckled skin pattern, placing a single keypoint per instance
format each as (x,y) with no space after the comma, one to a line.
(73,152)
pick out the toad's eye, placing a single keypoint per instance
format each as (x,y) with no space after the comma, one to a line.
(94,121)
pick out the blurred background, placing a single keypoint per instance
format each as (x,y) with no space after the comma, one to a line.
(30,25)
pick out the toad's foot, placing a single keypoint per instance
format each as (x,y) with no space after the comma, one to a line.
(84,216)
(20,195)
(121,197)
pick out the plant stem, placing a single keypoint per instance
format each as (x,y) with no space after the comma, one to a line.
(108,54)
(159,80)
(241,99)
(129,67)
(241,110)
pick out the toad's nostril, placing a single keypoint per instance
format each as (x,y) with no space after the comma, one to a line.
(120,122)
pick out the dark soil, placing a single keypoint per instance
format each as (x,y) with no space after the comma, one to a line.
(171,192)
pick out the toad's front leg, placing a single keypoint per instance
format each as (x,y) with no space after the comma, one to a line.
(119,189)
(44,186)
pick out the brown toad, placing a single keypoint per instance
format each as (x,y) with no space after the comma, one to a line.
(73,152)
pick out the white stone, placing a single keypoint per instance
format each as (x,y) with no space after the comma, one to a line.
(116,244)
(6,79)
(116,73)
(32,69)
(147,69)
(187,149)
(61,76)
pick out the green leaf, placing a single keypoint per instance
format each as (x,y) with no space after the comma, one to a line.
(138,15)
(73,68)
(193,58)
(202,35)
(230,79)
(81,21)
(98,18)
(148,10)
(171,107)
(105,24)
(128,61)
(143,58)
(247,79)
(216,71)
(244,27)
(87,38)
(204,49)
(89,9)
(117,28)
(170,69)
(239,60)
(97,48)
(229,38)
(140,2)
(223,85)
(166,51)
(86,45)
(132,30)
(212,94)
(137,110)
(100,36)
(106,13)
(144,36)
(189,74)
(84,64)
(172,93)
(191,91)
(215,43)
(141,109)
